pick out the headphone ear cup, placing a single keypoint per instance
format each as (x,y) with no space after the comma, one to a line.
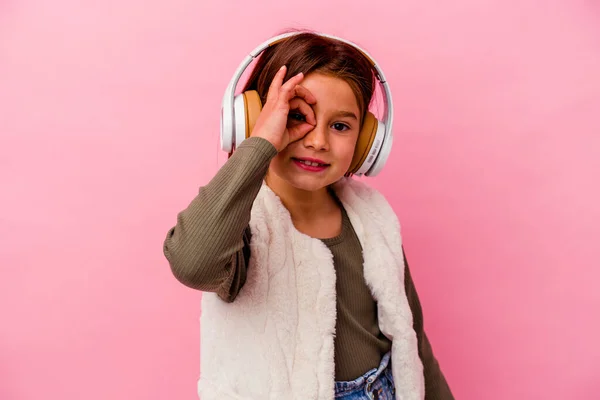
(366,137)
(253,109)
(239,120)
(247,107)
(385,140)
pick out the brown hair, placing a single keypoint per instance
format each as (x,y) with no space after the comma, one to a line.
(308,52)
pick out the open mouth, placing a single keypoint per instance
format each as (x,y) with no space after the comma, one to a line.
(310,165)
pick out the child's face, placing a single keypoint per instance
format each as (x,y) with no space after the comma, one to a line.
(331,142)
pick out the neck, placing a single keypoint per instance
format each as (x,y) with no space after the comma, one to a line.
(303,205)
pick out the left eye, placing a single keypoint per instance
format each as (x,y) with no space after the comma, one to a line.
(338,126)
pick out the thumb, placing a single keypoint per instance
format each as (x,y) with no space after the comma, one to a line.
(299,131)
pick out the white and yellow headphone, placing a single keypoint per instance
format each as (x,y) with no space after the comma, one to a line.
(239,114)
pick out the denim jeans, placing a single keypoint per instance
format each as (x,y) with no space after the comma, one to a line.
(377,384)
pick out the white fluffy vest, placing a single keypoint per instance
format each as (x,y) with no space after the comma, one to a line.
(275,341)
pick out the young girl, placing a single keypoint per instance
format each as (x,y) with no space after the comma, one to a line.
(309,295)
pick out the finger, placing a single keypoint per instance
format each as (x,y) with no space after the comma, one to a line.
(303,92)
(276,83)
(299,131)
(289,86)
(305,109)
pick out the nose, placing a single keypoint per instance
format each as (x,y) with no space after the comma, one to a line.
(318,138)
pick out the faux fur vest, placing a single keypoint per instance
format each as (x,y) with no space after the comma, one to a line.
(276,340)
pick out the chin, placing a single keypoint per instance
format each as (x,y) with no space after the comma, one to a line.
(309,182)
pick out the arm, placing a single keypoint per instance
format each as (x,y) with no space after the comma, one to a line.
(436,387)
(208,248)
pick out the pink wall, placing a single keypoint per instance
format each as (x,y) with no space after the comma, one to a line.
(109,122)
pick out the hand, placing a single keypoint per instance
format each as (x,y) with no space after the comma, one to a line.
(272,123)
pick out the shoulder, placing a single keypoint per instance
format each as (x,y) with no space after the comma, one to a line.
(364,200)
(350,188)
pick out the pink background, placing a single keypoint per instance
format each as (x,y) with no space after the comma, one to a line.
(109,116)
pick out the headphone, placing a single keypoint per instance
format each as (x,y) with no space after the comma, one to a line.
(239,114)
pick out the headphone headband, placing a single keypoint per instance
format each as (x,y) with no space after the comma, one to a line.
(229,96)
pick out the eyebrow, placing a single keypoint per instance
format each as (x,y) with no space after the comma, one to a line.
(348,114)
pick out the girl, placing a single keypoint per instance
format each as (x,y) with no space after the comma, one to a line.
(309,295)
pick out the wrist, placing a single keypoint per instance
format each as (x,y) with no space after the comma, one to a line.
(261,144)
(272,141)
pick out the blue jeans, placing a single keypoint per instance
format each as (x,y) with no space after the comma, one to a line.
(377,384)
